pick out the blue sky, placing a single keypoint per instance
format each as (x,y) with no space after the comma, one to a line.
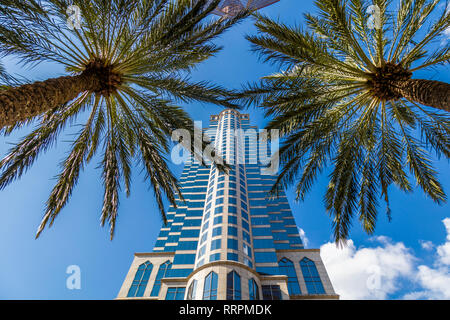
(408,256)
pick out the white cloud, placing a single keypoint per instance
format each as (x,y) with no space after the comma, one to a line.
(435,280)
(443,251)
(435,283)
(367,273)
(302,233)
(376,272)
(446,35)
(426,245)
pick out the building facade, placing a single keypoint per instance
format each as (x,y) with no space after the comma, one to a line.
(228,240)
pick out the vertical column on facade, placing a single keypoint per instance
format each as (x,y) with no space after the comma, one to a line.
(225,233)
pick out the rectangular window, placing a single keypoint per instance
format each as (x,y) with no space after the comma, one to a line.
(263,257)
(247,249)
(246,236)
(260,221)
(184,259)
(262,243)
(232,209)
(202,251)
(204,237)
(217,231)
(232,244)
(271,292)
(216,244)
(200,263)
(261,232)
(232,256)
(175,293)
(187,245)
(214,257)
(268,270)
(232,231)
(190,233)
(218,220)
(192,222)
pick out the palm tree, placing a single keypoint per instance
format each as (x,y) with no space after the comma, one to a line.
(126,66)
(9,8)
(347,99)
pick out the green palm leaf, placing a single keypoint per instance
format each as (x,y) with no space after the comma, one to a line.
(127,66)
(345,99)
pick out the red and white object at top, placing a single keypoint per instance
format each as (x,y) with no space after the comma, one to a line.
(232,7)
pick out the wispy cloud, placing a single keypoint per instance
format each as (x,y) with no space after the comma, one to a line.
(426,245)
(305,240)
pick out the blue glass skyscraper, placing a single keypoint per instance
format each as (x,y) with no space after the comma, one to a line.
(229,239)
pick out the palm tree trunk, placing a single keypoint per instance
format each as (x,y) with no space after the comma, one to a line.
(21,103)
(427,92)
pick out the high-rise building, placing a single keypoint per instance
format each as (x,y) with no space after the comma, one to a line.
(228,239)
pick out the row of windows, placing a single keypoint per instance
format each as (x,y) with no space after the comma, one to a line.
(233,291)
(231,187)
(217,244)
(218,220)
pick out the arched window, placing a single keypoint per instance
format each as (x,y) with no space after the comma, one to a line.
(162,272)
(311,276)
(210,287)
(191,290)
(253,290)
(287,268)
(233,286)
(140,280)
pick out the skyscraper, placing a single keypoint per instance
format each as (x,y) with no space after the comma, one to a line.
(229,239)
